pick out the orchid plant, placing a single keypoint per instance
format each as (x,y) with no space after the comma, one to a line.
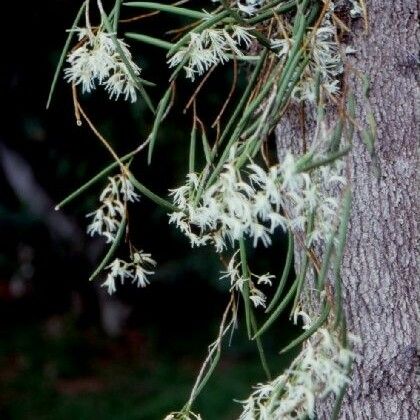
(292,52)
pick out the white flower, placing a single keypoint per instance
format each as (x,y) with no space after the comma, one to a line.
(356,10)
(140,260)
(97,62)
(127,189)
(249,7)
(109,283)
(265,279)
(108,217)
(242,35)
(119,268)
(257,297)
(282,45)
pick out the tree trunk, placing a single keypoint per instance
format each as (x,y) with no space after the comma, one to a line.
(379,267)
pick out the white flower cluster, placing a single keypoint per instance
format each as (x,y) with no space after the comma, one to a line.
(211,46)
(325,59)
(232,209)
(249,7)
(237,281)
(97,62)
(319,370)
(356,9)
(108,217)
(315,196)
(137,270)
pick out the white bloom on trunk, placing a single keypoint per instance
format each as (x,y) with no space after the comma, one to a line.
(249,203)
(319,370)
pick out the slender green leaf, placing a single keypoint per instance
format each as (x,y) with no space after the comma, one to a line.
(280,308)
(151,195)
(161,111)
(324,161)
(117,10)
(245,288)
(206,146)
(310,331)
(285,274)
(260,347)
(168,8)
(63,54)
(326,261)
(149,40)
(94,180)
(193,137)
(341,236)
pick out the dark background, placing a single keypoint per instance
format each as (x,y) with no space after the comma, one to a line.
(67,349)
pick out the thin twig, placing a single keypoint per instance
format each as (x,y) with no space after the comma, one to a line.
(197,90)
(232,90)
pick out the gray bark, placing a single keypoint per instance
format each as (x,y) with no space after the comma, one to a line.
(379,268)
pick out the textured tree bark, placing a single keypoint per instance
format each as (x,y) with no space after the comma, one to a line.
(379,268)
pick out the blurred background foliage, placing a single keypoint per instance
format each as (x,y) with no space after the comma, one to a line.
(67,350)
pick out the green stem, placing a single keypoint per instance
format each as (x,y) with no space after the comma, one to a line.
(149,40)
(280,308)
(63,54)
(204,25)
(168,8)
(151,195)
(111,250)
(342,234)
(260,347)
(311,330)
(326,262)
(245,289)
(270,10)
(162,108)
(94,180)
(305,261)
(117,10)
(285,273)
(206,378)
(191,160)
(324,161)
